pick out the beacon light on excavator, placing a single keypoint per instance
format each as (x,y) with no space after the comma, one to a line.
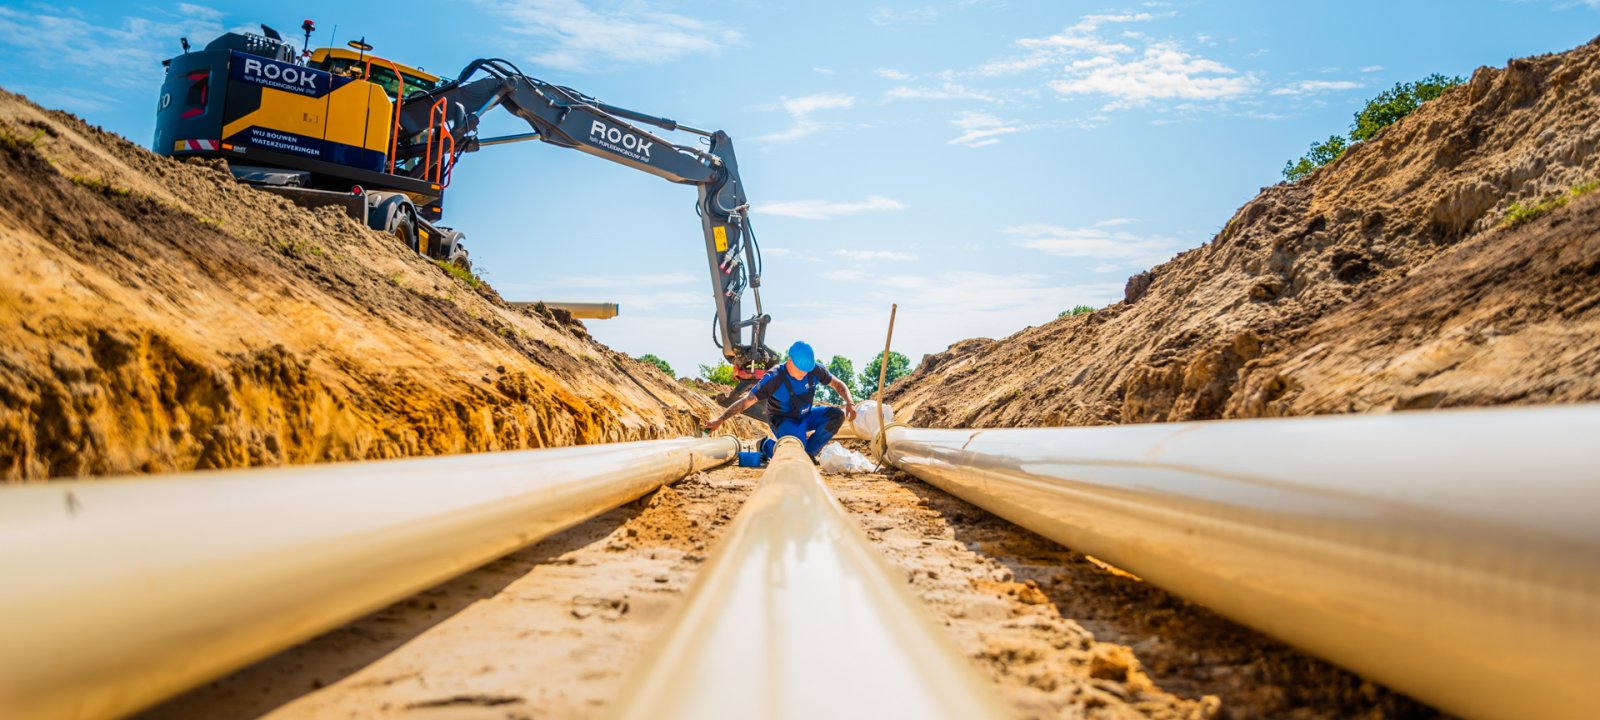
(311,124)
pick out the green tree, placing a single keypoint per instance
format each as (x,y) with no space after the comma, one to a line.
(841,368)
(1380,112)
(1321,154)
(1076,310)
(721,374)
(899,367)
(658,362)
(1397,102)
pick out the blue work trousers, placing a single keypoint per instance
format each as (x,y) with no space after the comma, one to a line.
(815,427)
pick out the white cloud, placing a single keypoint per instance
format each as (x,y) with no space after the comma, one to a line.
(892,74)
(886,16)
(981,129)
(823,71)
(865,256)
(1163,72)
(947,91)
(801,109)
(1096,243)
(1377,68)
(789,254)
(1113,222)
(575,35)
(1313,87)
(1130,71)
(824,209)
(123,55)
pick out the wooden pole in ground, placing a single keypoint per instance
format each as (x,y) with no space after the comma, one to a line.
(883,364)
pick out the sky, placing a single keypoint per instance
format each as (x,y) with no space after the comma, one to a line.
(985,164)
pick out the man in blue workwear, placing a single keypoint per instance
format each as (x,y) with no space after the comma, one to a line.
(788,390)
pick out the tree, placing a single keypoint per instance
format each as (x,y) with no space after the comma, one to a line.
(899,367)
(1076,310)
(1321,154)
(1397,102)
(721,374)
(1380,112)
(841,368)
(658,362)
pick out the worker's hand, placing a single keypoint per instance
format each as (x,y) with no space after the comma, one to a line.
(850,411)
(713,424)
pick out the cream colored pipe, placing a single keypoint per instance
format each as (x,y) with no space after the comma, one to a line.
(796,617)
(115,594)
(580,310)
(1453,555)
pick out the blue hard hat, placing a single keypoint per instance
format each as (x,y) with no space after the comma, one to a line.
(800,354)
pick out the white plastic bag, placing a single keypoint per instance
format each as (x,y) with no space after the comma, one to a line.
(834,458)
(866,421)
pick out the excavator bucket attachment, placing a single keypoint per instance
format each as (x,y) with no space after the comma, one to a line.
(758,410)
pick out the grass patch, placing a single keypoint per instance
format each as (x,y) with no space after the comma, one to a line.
(17,141)
(1079,310)
(99,185)
(459,273)
(1520,213)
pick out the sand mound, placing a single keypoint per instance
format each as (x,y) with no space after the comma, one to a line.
(158,316)
(1389,279)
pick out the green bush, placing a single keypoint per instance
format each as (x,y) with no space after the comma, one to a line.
(1397,102)
(721,374)
(1380,112)
(658,362)
(1076,310)
(899,367)
(1520,213)
(1321,154)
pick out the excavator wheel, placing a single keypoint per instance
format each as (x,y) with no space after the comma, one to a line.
(458,251)
(404,228)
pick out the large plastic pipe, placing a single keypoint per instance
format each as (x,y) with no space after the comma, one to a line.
(795,616)
(580,310)
(1452,555)
(115,594)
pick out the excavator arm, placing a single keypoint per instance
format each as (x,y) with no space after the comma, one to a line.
(565,117)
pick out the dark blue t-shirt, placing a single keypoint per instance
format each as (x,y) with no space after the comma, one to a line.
(787,397)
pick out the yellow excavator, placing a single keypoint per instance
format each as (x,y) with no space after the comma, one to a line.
(344,127)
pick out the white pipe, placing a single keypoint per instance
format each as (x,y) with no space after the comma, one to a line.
(796,617)
(1453,555)
(580,310)
(115,594)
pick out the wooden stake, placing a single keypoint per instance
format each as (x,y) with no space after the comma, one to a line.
(883,365)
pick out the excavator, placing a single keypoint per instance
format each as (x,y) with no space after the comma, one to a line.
(343,127)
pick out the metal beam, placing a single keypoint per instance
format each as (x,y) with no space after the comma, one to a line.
(796,617)
(119,593)
(1452,555)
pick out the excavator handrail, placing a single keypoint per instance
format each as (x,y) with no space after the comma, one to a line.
(399,104)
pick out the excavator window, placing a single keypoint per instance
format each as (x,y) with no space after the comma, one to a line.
(383,76)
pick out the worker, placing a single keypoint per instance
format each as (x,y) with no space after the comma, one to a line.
(788,391)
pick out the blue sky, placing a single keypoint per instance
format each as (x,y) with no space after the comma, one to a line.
(984,163)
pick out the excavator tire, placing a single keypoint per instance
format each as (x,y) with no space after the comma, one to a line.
(404,227)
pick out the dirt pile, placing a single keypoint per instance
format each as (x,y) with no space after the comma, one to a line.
(1391,279)
(158,316)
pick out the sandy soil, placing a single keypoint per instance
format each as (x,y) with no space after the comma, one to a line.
(551,631)
(1388,280)
(158,316)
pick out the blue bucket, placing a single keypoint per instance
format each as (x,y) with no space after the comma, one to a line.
(751,459)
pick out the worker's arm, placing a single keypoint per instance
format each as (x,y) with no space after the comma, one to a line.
(734,409)
(844,392)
